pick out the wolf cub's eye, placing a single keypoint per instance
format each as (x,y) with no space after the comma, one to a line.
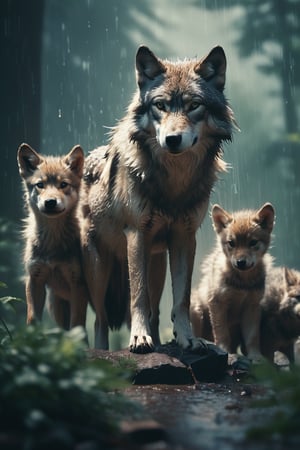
(63,184)
(253,243)
(231,243)
(40,185)
(160,105)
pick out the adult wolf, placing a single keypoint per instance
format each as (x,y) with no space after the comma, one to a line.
(147,193)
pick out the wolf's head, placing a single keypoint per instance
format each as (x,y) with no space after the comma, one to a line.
(290,302)
(244,235)
(51,183)
(182,103)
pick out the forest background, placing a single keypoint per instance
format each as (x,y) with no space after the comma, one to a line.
(68,75)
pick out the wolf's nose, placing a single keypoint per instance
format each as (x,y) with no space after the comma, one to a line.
(241,264)
(173,141)
(50,203)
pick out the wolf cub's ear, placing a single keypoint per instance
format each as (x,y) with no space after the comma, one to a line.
(265,217)
(75,160)
(28,160)
(148,66)
(213,68)
(290,277)
(221,218)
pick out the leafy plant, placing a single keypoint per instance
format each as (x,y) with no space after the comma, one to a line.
(10,249)
(284,398)
(52,394)
(7,306)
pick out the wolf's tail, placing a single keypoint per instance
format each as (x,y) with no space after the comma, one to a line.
(117,295)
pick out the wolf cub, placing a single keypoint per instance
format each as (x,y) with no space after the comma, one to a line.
(280,309)
(226,306)
(52,253)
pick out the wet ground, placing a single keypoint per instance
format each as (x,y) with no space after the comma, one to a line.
(208,416)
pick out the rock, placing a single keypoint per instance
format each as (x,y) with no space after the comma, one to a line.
(143,432)
(209,367)
(150,368)
(169,364)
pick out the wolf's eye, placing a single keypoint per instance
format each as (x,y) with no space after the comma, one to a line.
(160,105)
(40,185)
(63,184)
(231,243)
(194,105)
(253,243)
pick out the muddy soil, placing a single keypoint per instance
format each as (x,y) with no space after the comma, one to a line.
(208,416)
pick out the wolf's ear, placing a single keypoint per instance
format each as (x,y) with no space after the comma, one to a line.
(75,160)
(147,65)
(220,218)
(265,217)
(28,160)
(212,68)
(290,277)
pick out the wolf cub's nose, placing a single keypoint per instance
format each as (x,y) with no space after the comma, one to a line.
(173,141)
(50,203)
(241,264)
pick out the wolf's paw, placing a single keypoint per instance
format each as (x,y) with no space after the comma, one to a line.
(141,344)
(256,358)
(233,359)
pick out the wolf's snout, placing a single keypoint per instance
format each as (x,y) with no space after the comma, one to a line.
(50,204)
(173,141)
(241,264)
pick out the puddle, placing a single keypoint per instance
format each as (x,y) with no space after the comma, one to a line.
(207,416)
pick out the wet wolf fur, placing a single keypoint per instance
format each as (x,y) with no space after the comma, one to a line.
(226,306)
(147,193)
(52,255)
(280,309)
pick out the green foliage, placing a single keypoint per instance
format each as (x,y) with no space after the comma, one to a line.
(284,397)
(7,307)
(48,386)
(10,250)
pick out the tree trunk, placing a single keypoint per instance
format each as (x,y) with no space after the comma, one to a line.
(291,122)
(21,24)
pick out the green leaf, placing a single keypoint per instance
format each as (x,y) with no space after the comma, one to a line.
(8,299)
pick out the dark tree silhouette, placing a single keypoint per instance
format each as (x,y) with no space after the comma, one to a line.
(271,28)
(20,43)
(66,84)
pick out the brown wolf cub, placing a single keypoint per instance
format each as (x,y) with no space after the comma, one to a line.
(52,253)
(280,321)
(147,193)
(226,306)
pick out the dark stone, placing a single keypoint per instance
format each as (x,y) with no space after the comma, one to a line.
(159,368)
(207,365)
(169,364)
(150,368)
(143,432)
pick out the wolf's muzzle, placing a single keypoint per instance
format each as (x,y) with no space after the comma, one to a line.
(173,142)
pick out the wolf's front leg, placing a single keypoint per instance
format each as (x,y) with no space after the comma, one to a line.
(156,282)
(97,272)
(251,332)
(218,311)
(138,262)
(79,304)
(182,252)
(35,297)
